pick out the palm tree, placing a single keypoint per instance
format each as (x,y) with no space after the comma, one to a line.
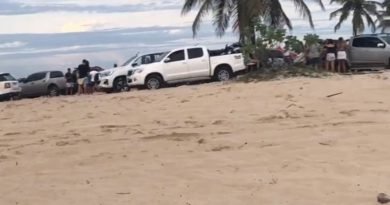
(384,23)
(242,13)
(360,10)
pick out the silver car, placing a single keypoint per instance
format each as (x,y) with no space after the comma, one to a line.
(50,83)
(370,50)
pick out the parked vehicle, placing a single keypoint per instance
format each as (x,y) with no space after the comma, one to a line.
(9,87)
(115,79)
(369,50)
(185,65)
(50,83)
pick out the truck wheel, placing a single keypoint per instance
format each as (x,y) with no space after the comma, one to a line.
(223,74)
(53,91)
(154,82)
(120,84)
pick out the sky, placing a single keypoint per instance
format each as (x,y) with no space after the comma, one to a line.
(37,35)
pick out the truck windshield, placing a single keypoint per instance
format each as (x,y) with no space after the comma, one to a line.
(6,77)
(130,60)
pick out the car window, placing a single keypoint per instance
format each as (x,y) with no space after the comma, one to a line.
(366,42)
(385,37)
(6,77)
(36,76)
(195,53)
(56,74)
(146,59)
(177,56)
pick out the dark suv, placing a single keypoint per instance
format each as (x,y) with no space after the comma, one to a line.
(50,83)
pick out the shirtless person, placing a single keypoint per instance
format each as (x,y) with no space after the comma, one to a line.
(342,55)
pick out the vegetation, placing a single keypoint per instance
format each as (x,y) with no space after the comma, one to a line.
(311,39)
(277,74)
(360,10)
(266,38)
(243,13)
(382,23)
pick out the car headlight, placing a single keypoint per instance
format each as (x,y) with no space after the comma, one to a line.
(106,73)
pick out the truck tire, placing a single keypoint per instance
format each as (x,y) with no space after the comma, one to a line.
(53,91)
(154,82)
(388,64)
(120,85)
(223,73)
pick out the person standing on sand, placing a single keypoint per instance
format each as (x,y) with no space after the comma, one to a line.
(69,82)
(330,50)
(313,55)
(341,55)
(92,81)
(83,71)
(74,78)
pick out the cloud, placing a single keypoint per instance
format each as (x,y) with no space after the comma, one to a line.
(16,7)
(83,26)
(85,21)
(14,44)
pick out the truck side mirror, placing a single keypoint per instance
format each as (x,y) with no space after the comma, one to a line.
(381,45)
(134,64)
(167,60)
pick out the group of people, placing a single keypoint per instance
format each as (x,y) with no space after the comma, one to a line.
(331,55)
(82,80)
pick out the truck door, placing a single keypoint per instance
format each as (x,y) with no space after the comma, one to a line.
(34,84)
(198,63)
(175,66)
(369,50)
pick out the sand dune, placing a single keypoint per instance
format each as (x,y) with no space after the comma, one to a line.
(278,142)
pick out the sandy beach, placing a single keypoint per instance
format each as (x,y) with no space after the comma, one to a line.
(277,142)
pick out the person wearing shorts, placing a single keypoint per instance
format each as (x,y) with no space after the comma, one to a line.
(313,55)
(83,71)
(341,55)
(69,82)
(330,58)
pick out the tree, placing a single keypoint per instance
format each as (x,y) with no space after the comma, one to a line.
(311,39)
(294,44)
(384,23)
(361,10)
(244,13)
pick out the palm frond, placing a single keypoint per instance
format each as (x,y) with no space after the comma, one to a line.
(189,5)
(222,14)
(203,10)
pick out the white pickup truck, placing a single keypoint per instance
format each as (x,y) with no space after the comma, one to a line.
(114,79)
(185,65)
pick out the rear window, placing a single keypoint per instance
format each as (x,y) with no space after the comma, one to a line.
(56,74)
(195,53)
(6,77)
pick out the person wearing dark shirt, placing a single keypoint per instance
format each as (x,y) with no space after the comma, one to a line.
(69,82)
(74,78)
(83,71)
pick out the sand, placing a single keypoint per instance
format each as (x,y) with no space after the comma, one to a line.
(277,142)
